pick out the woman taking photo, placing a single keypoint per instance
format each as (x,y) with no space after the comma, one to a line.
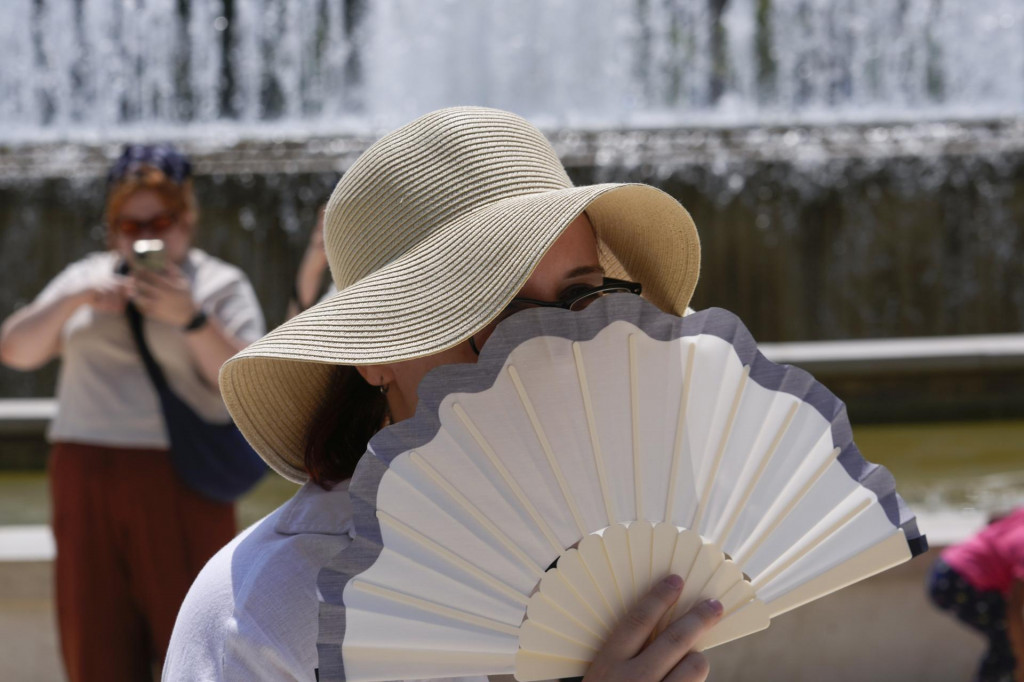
(130,537)
(430,236)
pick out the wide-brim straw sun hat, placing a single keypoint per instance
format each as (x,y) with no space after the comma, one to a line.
(429,235)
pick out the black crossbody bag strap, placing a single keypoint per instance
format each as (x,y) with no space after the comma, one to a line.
(152,368)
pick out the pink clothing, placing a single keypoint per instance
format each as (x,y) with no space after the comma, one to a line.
(994,558)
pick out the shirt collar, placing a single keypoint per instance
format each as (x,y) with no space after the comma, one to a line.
(315,510)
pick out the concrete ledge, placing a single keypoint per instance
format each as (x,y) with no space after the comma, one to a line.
(26,543)
(933,354)
(26,415)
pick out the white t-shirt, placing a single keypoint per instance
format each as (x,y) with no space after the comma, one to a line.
(252,615)
(104,395)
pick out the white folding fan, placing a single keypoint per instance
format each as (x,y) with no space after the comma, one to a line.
(624,444)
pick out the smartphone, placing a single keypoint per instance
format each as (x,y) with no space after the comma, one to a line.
(148,254)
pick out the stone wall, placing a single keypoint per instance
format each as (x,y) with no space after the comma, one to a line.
(807,234)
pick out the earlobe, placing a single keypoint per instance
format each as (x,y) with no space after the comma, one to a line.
(380,376)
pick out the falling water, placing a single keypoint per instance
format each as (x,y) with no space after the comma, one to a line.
(88,69)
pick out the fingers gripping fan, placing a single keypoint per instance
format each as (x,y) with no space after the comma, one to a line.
(625,444)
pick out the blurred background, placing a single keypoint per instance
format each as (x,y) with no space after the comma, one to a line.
(855,169)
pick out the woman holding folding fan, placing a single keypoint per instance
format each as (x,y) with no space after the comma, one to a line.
(130,536)
(435,234)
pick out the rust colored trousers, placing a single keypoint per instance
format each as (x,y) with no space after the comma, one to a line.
(130,541)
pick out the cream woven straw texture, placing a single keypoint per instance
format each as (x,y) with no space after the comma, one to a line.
(429,235)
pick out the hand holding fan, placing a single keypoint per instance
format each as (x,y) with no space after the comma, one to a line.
(625,444)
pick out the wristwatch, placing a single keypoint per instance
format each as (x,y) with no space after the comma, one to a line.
(198,321)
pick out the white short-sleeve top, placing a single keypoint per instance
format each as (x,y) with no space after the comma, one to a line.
(104,395)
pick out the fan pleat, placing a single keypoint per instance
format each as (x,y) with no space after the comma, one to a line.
(508,479)
(857,565)
(545,445)
(764,448)
(685,488)
(595,442)
(493,532)
(460,523)
(451,559)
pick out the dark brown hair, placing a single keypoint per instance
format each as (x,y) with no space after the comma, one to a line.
(351,412)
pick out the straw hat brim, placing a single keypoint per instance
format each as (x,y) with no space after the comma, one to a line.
(442,291)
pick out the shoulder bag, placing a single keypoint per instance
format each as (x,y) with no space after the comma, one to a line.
(214,460)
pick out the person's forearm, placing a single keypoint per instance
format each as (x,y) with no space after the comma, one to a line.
(310,278)
(31,337)
(211,346)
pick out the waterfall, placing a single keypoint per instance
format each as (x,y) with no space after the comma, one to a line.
(99,69)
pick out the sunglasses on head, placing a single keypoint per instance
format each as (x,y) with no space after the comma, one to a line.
(158,224)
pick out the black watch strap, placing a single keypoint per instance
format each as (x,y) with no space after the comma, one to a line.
(197,322)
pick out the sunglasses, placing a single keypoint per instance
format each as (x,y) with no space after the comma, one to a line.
(158,224)
(578,301)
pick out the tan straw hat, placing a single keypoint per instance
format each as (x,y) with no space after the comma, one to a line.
(429,235)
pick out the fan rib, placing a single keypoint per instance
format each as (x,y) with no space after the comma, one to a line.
(450,557)
(532,666)
(629,559)
(509,481)
(748,490)
(634,400)
(595,558)
(538,638)
(433,607)
(616,548)
(576,559)
(570,588)
(545,444)
(364,662)
(805,545)
(532,566)
(581,374)
(565,613)
(772,519)
(705,564)
(749,618)
(726,576)
(736,597)
(663,547)
(683,556)
(641,538)
(723,441)
(677,447)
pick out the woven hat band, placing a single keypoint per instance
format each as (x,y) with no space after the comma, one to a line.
(419,179)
